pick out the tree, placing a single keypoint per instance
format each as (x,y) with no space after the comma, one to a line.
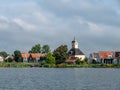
(46,48)
(78,61)
(4,54)
(35,49)
(50,59)
(61,54)
(17,56)
(86,59)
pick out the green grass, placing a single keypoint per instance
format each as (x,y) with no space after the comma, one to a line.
(28,65)
(17,65)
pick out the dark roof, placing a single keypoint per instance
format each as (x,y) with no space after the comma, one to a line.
(117,53)
(75,51)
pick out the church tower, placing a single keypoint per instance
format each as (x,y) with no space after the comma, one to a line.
(75,51)
(74,43)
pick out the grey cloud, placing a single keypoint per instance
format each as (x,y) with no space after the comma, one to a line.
(57,22)
(97,11)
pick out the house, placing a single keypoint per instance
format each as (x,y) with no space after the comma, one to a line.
(106,57)
(74,53)
(94,58)
(1,59)
(33,57)
(116,56)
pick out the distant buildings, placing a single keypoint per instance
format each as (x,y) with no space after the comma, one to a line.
(33,57)
(105,57)
(94,58)
(75,53)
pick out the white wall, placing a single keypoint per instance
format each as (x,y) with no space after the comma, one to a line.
(82,57)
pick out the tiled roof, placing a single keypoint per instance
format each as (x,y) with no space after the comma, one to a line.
(25,55)
(34,55)
(71,60)
(104,55)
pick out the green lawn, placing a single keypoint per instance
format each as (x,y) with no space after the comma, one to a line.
(28,65)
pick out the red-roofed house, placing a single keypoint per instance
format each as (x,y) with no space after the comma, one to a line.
(106,57)
(32,57)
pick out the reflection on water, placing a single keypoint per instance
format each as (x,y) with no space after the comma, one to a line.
(59,79)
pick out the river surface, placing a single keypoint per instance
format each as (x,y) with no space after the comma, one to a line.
(59,79)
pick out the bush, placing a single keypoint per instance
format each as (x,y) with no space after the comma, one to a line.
(78,61)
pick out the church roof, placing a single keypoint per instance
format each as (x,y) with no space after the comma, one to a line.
(76,51)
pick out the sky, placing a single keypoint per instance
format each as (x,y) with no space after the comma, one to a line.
(94,23)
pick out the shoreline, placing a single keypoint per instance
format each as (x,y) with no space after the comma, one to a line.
(40,65)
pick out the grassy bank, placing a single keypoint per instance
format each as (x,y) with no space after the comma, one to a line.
(93,66)
(28,65)
(15,65)
(25,65)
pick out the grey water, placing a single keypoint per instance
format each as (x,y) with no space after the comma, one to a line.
(59,79)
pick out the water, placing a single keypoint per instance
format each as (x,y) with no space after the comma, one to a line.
(59,79)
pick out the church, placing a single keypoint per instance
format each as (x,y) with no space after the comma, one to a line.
(75,53)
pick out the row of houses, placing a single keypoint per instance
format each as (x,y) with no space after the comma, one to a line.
(27,57)
(105,57)
(33,57)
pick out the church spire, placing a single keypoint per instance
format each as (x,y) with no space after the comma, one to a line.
(74,43)
(74,38)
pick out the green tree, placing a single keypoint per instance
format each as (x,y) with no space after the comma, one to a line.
(17,56)
(61,54)
(78,61)
(46,48)
(35,49)
(50,59)
(86,59)
(4,54)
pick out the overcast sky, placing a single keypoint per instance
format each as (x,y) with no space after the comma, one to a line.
(94,23)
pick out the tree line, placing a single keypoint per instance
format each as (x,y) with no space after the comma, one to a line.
(58,56)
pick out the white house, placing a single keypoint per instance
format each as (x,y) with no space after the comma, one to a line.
(94,57)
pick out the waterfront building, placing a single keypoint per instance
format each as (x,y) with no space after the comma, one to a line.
(33,57)
(75,53)
(105,57)
(94,58)
(116,56)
